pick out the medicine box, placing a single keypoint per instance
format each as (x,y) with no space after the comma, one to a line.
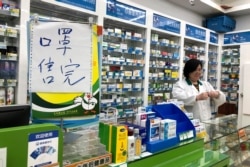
(167,129)
(153,129)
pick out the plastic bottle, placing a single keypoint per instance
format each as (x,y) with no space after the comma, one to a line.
(131,144)
(137,142)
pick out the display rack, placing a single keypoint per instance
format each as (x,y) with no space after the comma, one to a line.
(212,76)
(163,65)
(122,67)
(194,49)
(230,72)
(9,51)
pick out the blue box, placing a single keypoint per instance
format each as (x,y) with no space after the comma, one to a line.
(221,24)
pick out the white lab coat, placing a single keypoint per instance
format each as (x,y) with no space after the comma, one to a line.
(187,93)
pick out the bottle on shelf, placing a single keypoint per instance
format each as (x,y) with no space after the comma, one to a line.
(131,144)
(138,143)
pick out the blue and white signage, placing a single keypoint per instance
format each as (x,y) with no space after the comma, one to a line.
(43,148)
(195,32)
(125,12)
(241,37)
(213,38)
(165,23)
(86,4)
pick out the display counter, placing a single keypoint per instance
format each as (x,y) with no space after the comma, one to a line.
(31,145)
(185,154)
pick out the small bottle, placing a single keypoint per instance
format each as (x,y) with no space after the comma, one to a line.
(137,142)
(131,144)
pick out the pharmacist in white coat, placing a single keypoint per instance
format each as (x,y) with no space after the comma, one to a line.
(196,94)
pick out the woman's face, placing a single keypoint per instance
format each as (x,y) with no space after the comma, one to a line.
(195,75)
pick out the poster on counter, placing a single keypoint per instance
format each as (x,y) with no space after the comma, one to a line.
(64,72)
(43,149)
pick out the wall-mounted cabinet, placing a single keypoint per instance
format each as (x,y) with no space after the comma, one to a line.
(123,62)
(9,51)
(163,65)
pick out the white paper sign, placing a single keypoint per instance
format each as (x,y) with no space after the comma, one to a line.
(60,57)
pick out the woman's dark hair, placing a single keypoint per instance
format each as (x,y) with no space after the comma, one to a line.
(190,66)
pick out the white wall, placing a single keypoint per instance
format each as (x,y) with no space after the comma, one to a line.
(167,8)
(244,105)
(242,22)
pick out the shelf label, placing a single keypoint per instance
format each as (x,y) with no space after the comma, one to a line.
(195,32)
(125,12)
(241,37)
(213,38)
(86,4)
(166,23)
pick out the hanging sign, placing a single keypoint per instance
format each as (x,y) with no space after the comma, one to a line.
(213,38)
(195,32)
(240,37)
(165,23)
(125,12)
(86,4)
(64,73)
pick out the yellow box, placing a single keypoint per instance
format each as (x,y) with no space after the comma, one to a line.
(119,144)
(175,74)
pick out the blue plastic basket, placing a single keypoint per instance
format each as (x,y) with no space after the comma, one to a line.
(221,24)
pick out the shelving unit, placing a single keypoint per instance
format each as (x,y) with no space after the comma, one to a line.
(9,51)
(194,49)
(230,72)
(122,67)
(212,76)
(163,65)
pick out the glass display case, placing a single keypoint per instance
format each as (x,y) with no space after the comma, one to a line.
(223,136)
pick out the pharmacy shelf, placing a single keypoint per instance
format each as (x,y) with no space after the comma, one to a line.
(230,72)
(163,65)
(9,52)
(123,63)
(195,49)
(212,76)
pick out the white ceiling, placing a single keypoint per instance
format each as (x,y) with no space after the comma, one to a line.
(208,8)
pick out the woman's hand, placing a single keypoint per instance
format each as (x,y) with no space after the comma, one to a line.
(202,96)
(214,94)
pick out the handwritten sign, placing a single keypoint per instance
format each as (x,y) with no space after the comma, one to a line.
(61,58)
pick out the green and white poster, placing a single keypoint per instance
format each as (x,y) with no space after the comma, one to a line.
(64,73)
